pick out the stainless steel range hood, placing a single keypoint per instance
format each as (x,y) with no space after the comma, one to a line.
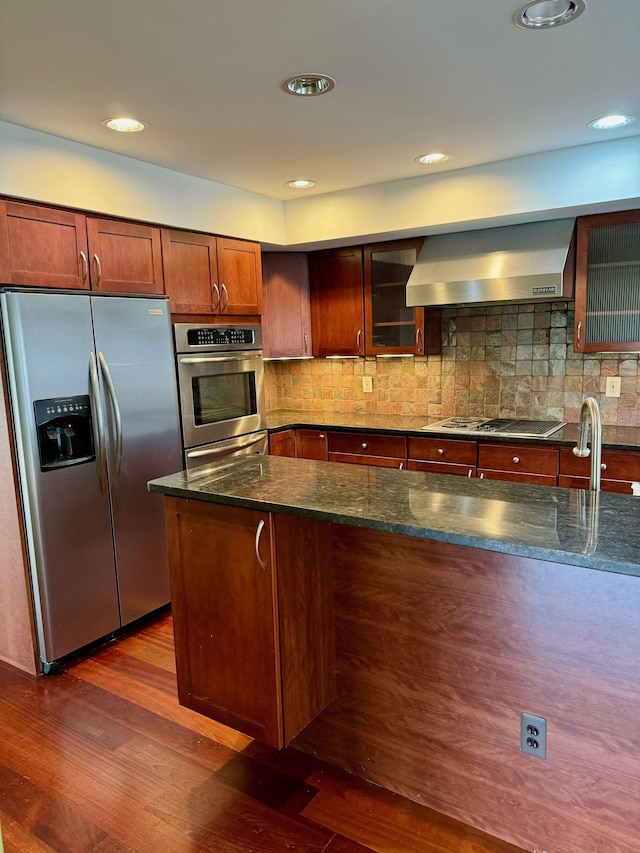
(514,263)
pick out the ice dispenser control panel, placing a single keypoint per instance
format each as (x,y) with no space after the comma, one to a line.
(64,430)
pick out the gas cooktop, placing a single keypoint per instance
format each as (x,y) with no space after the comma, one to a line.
(508,427)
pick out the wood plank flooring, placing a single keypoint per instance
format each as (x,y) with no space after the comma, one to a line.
(101,758)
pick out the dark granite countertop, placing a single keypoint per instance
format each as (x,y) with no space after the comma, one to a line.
(613,437)
(597,531)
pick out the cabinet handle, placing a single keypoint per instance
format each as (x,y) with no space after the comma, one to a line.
(364,445)
(418,336)
(306,343)
(440,452)
(216,290)
(401,466)
(603,466)
(516,459)
(579,331)
(259,530)
(321,436)
(481,475)
(226,295)
(358,336)
(470,474)
(85,267)
(96,260)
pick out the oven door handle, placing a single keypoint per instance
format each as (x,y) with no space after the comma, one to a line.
(225,451)
(208,359)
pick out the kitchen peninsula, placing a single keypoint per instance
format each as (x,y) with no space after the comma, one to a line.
(397,624)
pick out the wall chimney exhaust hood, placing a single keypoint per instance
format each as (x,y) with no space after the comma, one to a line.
(514,263)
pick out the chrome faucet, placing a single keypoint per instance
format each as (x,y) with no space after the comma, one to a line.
(590,417)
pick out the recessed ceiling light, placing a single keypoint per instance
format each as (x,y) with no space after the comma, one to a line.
(433,159)
(301,184)
(125,125)
(542,14)
(309,84)
(611,122)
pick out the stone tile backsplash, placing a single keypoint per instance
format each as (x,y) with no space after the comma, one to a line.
(496,361)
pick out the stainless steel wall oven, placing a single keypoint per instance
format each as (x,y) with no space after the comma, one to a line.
(221,387)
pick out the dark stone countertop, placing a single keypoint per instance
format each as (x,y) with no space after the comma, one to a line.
(613,437)
(598,531)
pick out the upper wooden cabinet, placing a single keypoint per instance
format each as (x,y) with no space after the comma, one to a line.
(337,302)
(204,274)
(48,247)
(391,327)
(607,315)
(286,320)
(358,302)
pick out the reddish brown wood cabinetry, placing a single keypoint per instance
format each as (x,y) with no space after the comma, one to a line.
(337,304)
(384,451)
(312,444)
(211,275)
(286,319)
(283,443)
(607,316)
(442,456)
(49,247)
(253,617)
(523,463)
(619,469)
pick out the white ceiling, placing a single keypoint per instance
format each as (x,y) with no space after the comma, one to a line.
(413,76)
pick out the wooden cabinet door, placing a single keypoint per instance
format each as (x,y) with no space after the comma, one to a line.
(607,316)
(337,302)
(42,246)
(283,443)
(190,267)
(125,257)
(312,444)
(239,276)
(286,321)
(224,603)
(391,327)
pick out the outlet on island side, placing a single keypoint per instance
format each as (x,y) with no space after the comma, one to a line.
(612,387)
(533,735)
(367,384)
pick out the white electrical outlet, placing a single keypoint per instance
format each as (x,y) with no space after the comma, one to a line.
(367,384)
(612,388)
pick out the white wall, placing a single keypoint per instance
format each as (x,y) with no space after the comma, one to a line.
(588,178)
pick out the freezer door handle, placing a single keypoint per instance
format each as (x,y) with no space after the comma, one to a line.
(115,408)
(96,404)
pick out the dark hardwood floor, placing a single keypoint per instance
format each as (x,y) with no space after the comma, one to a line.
(100,757)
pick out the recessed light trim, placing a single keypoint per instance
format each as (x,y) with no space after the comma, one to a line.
(301,184)
(310,84)
(125,125)
(611,122)
(542,14)
(433,159)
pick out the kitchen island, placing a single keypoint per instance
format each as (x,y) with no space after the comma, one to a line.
(404,621)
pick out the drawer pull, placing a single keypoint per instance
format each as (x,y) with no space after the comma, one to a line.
(516,459)
(321,436)
(364,445)
(440,452)
(603,466)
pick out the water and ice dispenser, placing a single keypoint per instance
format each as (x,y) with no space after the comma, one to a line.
(65,433)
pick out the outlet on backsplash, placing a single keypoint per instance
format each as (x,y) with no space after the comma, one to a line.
(613,386)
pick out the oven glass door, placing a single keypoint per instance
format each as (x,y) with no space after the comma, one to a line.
(220,396)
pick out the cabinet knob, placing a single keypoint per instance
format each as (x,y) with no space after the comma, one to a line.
(516,459)
(603,466)
(321,436)
(440,452)
(364,445)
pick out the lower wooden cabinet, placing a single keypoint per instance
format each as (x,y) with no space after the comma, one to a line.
(384,451)
(442,456)
(252,600)
(522,463)
(619,469)
(312,444)
(282,443)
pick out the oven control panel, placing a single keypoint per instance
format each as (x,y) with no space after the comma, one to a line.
(217,337)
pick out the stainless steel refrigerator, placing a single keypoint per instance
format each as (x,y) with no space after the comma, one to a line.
(93,401)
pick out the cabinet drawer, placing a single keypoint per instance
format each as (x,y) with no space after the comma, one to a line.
(621,487)
(616,464)
(443,450)
(518,477)
(368,444)
(519,458)
(441,468)
(359,459)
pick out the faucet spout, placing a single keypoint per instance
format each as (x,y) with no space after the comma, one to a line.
(590,417)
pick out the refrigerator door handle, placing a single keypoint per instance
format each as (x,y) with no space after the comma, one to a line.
(115,408)
(96,404)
